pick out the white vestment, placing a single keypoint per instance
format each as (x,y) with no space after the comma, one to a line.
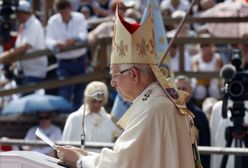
(98,126)
(156,135)
(217,126)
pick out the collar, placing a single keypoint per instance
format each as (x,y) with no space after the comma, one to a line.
(87,110)
(144,96)
(62,21)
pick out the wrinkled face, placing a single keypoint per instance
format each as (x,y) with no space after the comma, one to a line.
(121,81)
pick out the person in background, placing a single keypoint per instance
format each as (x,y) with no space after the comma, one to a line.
(105,29)
(201,122)
(208,60)
(167,7)
(64,29)
(156,132)
(207,106)
(97,8)
(30,37)
(98,126)
(174,60)
(52,131)
(103,8)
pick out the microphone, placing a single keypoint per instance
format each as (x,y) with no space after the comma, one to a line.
(98,95)
(228,72)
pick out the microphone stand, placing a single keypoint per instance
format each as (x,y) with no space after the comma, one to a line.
(98,96)
(83,131)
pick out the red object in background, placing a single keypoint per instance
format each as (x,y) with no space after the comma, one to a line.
(9,44)
(246,1)
(5,148)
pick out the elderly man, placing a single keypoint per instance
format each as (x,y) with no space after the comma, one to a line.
(156,130)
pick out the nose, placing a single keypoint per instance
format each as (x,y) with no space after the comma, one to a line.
(113,83)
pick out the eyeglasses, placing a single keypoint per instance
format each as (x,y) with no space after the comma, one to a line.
(121,72)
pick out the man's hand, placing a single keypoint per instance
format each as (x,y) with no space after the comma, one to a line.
(60,45)
(69,155)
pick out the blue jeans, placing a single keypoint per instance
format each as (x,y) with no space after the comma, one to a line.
(70,68)
(29,80)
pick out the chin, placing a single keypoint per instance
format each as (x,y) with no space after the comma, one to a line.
(124,97)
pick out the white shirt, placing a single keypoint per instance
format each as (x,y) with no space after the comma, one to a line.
(98,126)
(32,34)
(53,132)
(217,126)
(156,135)
(206,66)
(58,30)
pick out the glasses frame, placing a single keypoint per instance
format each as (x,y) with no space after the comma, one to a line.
(114,75)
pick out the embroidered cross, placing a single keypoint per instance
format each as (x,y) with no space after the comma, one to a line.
(122,49)
(142,48)
(147,95)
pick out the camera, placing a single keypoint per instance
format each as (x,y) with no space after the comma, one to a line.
(7,17)
(236,82)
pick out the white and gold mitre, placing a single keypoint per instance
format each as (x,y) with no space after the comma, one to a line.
(133,43)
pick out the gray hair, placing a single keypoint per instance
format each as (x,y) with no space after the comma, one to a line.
(182,77)
(96,86)
(145,69)
(190,81)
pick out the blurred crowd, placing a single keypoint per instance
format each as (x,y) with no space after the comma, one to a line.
(69,25)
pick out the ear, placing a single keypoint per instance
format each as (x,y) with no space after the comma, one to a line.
(135,74)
